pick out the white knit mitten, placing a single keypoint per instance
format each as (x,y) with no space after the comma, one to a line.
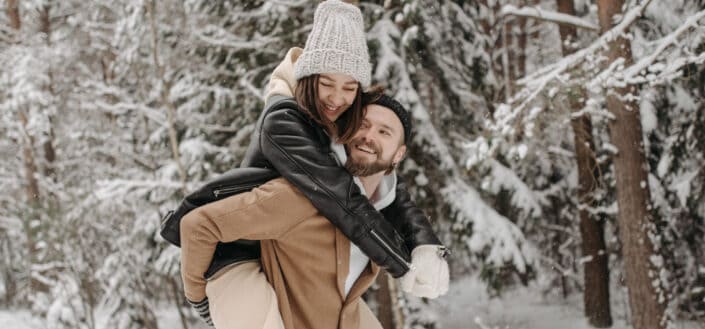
(429,276)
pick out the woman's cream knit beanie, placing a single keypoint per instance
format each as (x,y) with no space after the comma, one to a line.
(336,44)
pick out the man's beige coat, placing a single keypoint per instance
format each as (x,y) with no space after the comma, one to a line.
(305,257)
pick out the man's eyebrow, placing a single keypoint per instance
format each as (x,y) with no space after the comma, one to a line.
(388,127)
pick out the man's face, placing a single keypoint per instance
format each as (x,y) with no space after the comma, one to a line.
(378,144)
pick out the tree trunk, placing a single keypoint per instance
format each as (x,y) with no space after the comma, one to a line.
(385,313)
(177,301)
(13,12)
(596,296)
(389,311)
(170,107)
(646,297)
(521,44)
(30,168)
(30,165)
(508,59)
(48,145)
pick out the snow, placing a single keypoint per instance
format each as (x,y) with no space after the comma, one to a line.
(546,15)
(523,197)
(536,81)
(466,306)
(492,231)
(11,319)
(663,44)
(649,121)
(681,185)
(470,307)
(167,317)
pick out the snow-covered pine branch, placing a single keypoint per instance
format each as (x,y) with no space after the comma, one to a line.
(637,72)
(536,82)
(217,36)
(492,234)
(547,15)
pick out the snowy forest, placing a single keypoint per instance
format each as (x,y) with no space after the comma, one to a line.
(559,147)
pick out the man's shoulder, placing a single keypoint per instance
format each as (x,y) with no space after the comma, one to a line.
(288,197)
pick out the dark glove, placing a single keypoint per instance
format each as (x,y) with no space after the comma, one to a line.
(203,310)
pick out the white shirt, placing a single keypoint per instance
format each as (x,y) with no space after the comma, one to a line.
(383,197)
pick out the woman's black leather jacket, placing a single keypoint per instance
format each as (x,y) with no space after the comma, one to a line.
(287,141)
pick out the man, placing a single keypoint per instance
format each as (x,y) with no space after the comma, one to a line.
(317,274)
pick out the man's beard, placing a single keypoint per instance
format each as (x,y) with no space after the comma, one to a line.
(363,167)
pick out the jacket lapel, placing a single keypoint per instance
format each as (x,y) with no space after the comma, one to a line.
(342,253)
(365,280)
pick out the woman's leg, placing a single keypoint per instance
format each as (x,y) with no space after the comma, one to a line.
(241,298)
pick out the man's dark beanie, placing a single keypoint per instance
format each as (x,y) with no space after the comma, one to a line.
(390,103)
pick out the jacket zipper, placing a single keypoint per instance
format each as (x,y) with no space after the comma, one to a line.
(390,250)
(234,189)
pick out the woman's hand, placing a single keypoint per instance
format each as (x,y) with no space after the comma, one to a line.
(429,275)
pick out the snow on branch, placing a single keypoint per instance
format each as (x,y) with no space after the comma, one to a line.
(632,73)
(537,81)
(491,232)
(550,72)
(523,197)
(108,189)
(546,15)
(218,36)
(11,223)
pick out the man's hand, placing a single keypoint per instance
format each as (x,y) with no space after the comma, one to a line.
(203,310)
(428,276)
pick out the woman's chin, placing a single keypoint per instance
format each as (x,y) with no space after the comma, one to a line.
(333,116)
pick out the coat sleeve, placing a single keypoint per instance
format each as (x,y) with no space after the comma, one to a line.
(409,220)
(293,147)
(283,81)
(265,213)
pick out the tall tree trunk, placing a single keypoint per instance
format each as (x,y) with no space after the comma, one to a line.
(31,172)
(646,297)
(30,165)
(48,145)
(13,12)
(177,299)
(385,314)
(166,86)
(508,58)
(596,297)
(521,44)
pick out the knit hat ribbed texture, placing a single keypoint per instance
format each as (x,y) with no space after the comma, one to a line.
(400,111)
(336,44)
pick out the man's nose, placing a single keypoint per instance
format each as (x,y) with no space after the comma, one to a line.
(369,136)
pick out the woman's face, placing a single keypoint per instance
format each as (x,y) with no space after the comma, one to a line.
(336,92)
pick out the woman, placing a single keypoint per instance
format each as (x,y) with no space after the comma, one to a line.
(331,72)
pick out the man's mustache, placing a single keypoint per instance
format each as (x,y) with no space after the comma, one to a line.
(368,144)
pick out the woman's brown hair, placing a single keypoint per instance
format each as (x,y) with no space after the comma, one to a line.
(345,126)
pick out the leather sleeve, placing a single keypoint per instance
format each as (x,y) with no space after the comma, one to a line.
(296,150)
(409,220)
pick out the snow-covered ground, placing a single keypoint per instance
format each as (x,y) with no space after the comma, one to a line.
(18,320)
(467,306)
